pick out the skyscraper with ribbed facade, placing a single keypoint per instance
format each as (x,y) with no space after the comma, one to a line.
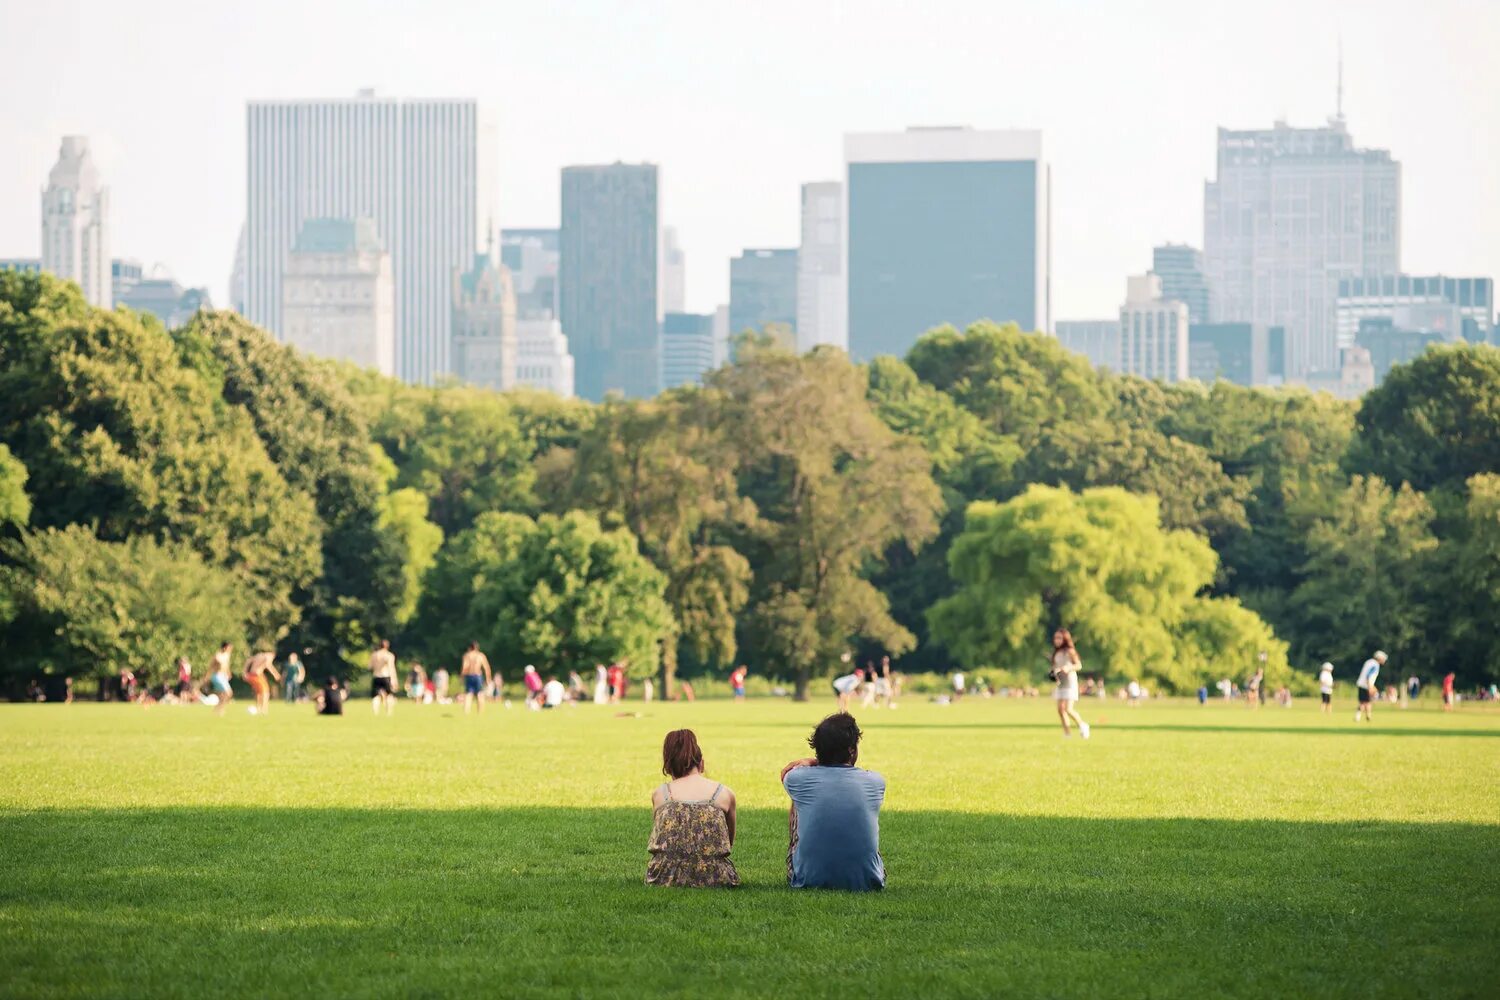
(419,169)
(1292,211)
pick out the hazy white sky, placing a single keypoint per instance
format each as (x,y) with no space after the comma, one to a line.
(741,102)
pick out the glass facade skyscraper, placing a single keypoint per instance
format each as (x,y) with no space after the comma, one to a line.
(1180,268)
(944,225)
(1291,212)
(610,249)
(687,348)
(763,290)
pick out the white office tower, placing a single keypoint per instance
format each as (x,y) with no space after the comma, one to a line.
(673,273)
(944,226)
(1293,211)
(75,222)
(338,295)
(484,324)
(820,268)
(1153,332)
(419,169)
(542,357)
(721,336)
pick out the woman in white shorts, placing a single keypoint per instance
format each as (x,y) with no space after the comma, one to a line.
(1065,664)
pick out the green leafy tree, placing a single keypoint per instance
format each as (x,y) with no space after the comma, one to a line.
(1015,382)
(1100,564)
(15,505)
(833,488)
(320,441)
(1476,585)
(136,603)
(1369,566)
(559,592)
(1434,421)
(667,473)
(118,431)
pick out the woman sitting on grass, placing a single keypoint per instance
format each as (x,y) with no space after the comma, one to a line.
(692,827)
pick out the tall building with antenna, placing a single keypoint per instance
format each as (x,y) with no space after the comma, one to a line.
(1291,212)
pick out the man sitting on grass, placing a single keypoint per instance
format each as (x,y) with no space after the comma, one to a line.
(835,815)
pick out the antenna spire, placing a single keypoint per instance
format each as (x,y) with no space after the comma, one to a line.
(1339,107)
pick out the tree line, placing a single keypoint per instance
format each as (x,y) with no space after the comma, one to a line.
(162,491)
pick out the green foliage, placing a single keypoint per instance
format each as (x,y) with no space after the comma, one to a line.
(1368,567)
(665,469)
(558,592)
(1476,585)
(109,605)
(1015,382)
(1433,422)
(15,505)
(1100,564)
(403,515)
(115,430)
(833,488)
(319,440)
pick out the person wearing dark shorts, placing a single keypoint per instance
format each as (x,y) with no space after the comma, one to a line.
(383,678)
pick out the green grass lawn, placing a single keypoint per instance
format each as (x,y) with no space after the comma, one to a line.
(1184,850)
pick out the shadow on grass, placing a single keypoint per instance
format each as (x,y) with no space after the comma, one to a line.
(539,901)
(874,721)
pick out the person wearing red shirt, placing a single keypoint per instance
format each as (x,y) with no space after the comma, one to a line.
(1448,692)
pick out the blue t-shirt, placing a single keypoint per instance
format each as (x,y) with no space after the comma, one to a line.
(838,828)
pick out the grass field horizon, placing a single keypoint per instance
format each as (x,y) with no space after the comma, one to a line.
(1183,849)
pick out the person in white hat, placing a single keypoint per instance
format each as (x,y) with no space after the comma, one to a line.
(1366,685)
(1325,686)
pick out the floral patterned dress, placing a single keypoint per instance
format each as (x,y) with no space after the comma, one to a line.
(690,843)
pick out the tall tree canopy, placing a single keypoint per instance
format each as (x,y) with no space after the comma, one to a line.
(834,487)
(116,430)
(1100,564)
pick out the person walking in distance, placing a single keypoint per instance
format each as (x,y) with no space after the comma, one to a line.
(1065,664)
(737,681)
(1448,691)
(475,668)
(383,678)
(1366,685)
(296,673)
(1325,686)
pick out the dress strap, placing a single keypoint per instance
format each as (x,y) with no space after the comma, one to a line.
(666,791)
(715,795)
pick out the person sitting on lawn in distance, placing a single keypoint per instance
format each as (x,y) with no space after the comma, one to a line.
(692,828)
(834,822)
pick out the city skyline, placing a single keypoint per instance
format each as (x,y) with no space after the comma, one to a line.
(1143,171)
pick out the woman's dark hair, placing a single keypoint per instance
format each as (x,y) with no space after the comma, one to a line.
(680,754)
(836,740)
(1067,644)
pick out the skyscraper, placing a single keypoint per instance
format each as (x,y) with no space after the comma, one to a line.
(1153,332)
(687,348)
(820,268)
(673,273)
(419,169)
(762,291)
(1291,212)
(944,225)
(542,358)
(1180,268)
(532,256)
(484,324)
(338,297)
(75,222)
(1096,339)
(1416,300)
(610,244)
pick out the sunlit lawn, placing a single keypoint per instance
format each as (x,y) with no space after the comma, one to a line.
(1183,851)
